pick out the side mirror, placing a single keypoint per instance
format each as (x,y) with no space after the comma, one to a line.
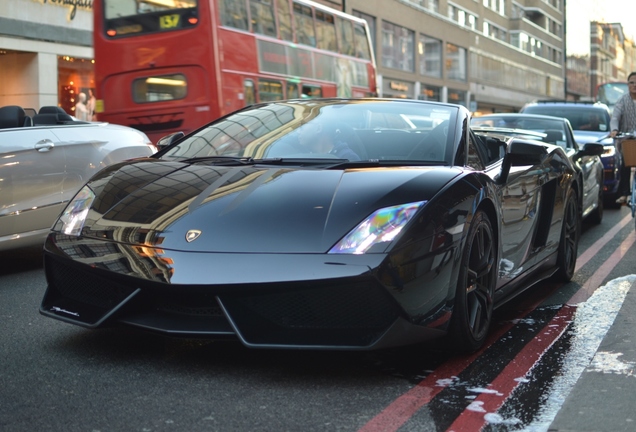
(591,149)
(520,154)
(168,140)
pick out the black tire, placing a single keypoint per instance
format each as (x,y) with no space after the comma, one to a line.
(596,217)
(569,241)
(472,313)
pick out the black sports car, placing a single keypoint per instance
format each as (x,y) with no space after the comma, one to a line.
(331,224)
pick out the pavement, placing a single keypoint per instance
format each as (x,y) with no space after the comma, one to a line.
(604,396)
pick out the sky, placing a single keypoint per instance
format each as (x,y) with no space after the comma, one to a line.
(581,12)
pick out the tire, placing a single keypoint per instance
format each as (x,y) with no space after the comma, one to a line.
(569,241)
(472,312)
(596,217)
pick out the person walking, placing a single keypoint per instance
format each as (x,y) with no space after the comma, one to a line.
(624,121)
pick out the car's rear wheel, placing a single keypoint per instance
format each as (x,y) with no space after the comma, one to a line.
(472,313)
(569,242)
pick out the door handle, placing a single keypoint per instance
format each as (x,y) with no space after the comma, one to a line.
(44,145)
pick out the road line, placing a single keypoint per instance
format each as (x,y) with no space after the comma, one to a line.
(603,271)
(473,418)
(404,407)
(598,244)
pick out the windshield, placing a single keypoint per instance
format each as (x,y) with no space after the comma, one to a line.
(355,130)
(610,93)
(128,17)
(581,118)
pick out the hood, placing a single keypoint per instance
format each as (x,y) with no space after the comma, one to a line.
(584,137)
(249,208)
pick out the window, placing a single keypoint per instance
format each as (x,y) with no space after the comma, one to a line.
(160,88)
(371,25)
(250,92)
(363,50)
(270,90)
(430,56)
(455,62)
(262,15)
(397,47)
(326,31)
(311,91)
(462,17)
(284,21)
(494,31)
(234,14)
(345,36)
(305,33)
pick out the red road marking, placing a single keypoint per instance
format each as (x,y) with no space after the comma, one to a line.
(404,407)
(506,382)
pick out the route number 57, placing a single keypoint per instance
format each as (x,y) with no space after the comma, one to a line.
(169,21)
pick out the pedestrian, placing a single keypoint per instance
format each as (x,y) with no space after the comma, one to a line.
(81,112)
(90,105)
(624,120)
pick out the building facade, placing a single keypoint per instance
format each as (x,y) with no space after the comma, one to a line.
(46,54)
(612,55)
(489,55)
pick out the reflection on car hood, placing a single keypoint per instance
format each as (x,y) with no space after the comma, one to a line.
(251,208)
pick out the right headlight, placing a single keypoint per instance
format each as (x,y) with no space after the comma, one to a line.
(72,219)
(609,151)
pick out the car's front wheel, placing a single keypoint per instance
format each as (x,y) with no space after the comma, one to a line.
(569,242)
(472,313)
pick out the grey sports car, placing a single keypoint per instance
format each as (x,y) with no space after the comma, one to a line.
(45,159)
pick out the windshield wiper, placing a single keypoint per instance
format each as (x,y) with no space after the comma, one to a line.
(225,160)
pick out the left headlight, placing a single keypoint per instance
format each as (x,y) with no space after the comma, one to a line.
(72,219)
(382,226)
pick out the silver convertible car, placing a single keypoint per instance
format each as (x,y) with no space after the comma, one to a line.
(45,159)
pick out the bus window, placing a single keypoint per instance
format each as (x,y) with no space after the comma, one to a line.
(284,21)
(363,50)
(234,14)
(250,92)
(292,90)
(311,91)
(159,88)
(269,90)
(305,33)
(326,31)
(263,17)
(345,36)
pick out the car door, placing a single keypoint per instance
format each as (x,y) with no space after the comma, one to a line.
(523,207)
(32,172)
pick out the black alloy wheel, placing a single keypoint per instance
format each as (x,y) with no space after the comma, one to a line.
(569,242)
(472,313)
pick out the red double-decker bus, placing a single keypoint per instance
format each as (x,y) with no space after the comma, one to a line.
(163,66)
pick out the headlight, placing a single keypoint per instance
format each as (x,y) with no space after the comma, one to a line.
(609,151)
(381,226)
(72,219)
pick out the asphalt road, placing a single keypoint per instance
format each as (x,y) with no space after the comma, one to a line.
(58,377)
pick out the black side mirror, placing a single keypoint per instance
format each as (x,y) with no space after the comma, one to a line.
(519,154)
(591,149)
(168,140)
